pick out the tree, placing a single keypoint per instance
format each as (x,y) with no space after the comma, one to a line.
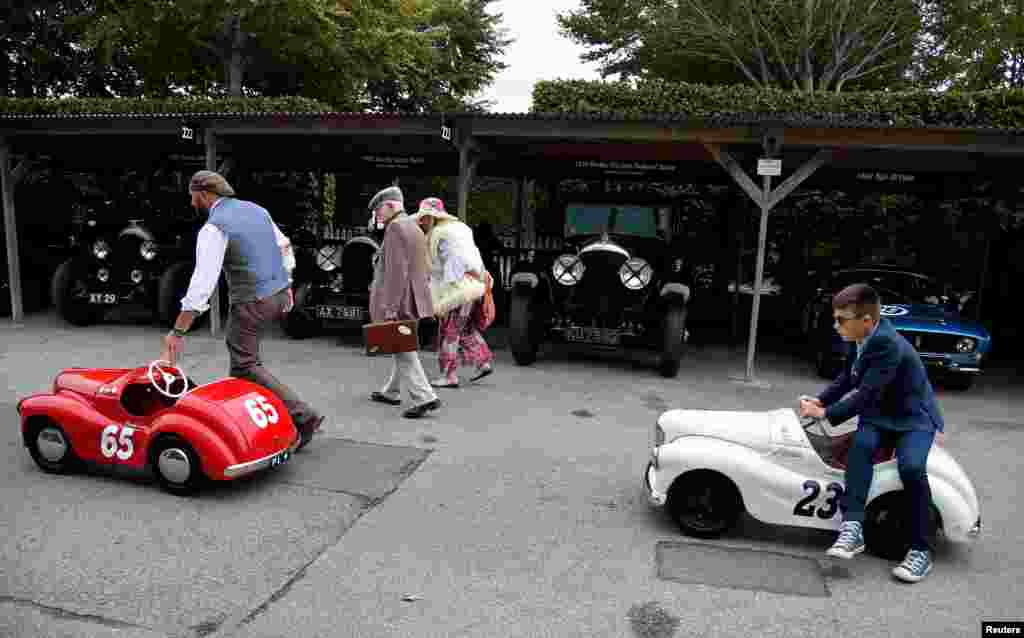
(803,45)
(972,45)
(41,56)
(355,54)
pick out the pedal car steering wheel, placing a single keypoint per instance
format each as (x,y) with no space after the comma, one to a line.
(163,378)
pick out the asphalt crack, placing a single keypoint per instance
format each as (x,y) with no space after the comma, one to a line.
(60,613)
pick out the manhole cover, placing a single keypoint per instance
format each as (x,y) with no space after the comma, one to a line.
(704,564)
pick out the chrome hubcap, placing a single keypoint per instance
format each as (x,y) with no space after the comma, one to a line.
(174,465)
(51,444)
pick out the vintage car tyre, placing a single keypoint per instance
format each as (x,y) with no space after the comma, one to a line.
(297,323)
(176,465)
(887,526)
(704,503)
(674,327)
(521,339)
(172,287)
(50,448)
(61,291)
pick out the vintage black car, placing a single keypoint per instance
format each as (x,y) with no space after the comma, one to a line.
(618,283)
(332,285)
(117,264)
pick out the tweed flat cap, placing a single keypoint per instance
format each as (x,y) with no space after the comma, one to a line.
(211,182)
(389,194)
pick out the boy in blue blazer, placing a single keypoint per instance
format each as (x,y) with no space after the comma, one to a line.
(884,383)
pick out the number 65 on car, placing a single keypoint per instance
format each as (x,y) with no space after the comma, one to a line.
(155,419)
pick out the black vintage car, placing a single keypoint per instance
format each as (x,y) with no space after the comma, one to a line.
(117,264)
(332,284)
(619,282)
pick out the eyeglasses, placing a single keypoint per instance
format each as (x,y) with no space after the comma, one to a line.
(840,319)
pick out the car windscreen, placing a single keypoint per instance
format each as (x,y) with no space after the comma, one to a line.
(595,219)
(893,287)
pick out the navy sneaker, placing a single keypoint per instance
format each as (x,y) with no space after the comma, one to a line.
(850,541)
(914,567)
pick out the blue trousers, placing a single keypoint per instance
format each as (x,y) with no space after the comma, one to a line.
(911,457)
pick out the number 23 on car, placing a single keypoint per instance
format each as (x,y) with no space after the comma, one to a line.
(155,419)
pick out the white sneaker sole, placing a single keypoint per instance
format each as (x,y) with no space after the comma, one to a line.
(907,577)
(836,552)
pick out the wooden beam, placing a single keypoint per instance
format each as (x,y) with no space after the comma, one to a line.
(820,158)
(467,166)
(736,171)
(7,183)
(210,140)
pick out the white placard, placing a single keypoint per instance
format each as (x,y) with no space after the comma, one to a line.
(770,167)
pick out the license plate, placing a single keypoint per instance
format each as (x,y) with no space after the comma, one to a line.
(280,459)
(604,336)
(341,312)
(105,298)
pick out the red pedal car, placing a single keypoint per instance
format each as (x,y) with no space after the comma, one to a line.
(156,418)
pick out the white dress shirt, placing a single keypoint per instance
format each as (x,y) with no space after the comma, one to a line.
(211,244)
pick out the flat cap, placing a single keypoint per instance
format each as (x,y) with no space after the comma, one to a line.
(389,194)
(211,182)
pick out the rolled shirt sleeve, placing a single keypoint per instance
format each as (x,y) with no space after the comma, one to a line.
(285,245)
(211,244)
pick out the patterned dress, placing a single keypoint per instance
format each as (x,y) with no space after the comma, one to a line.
(459,341)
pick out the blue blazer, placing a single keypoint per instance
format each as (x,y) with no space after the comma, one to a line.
(887,387)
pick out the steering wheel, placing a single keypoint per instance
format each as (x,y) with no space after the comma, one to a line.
(163,378)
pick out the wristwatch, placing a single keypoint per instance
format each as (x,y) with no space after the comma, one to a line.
(177,333)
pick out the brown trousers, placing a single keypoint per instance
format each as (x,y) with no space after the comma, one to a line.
(247,323)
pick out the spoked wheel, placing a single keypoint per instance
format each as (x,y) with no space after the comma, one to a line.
(704,504)
(177,466)
(51,449)
(521,329)
(887,525)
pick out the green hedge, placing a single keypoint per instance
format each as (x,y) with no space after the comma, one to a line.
(196,106)
(999,108)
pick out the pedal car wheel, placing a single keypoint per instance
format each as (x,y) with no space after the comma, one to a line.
(704,504)
(51,449)
(520,329)
(672,349)
(176,465)
(887,525)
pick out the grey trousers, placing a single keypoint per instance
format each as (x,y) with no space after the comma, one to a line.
(407,371)
(247,323)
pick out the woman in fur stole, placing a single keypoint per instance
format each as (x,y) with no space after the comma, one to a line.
(458,282)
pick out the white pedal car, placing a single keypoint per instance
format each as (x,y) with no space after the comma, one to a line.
(707,467)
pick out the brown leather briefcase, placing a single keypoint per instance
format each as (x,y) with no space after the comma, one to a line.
(389,337)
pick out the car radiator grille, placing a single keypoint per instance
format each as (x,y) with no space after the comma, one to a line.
(930,341)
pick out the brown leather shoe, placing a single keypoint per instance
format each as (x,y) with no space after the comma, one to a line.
(421,409)
(380,397)
(307,431)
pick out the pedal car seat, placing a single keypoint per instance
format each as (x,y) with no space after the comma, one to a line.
(841,445)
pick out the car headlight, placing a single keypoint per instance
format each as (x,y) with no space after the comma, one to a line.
(636,273)
(568,270)
(101,249)
(328,258)
(148,250)
(966,344)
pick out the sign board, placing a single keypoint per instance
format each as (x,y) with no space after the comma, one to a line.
(769,167)
(446,133)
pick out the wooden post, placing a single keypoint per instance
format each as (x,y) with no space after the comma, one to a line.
(7,184)
(766,199)
(518,194)
(467,166)
(211,165)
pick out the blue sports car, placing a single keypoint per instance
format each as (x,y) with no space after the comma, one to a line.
(952,347)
